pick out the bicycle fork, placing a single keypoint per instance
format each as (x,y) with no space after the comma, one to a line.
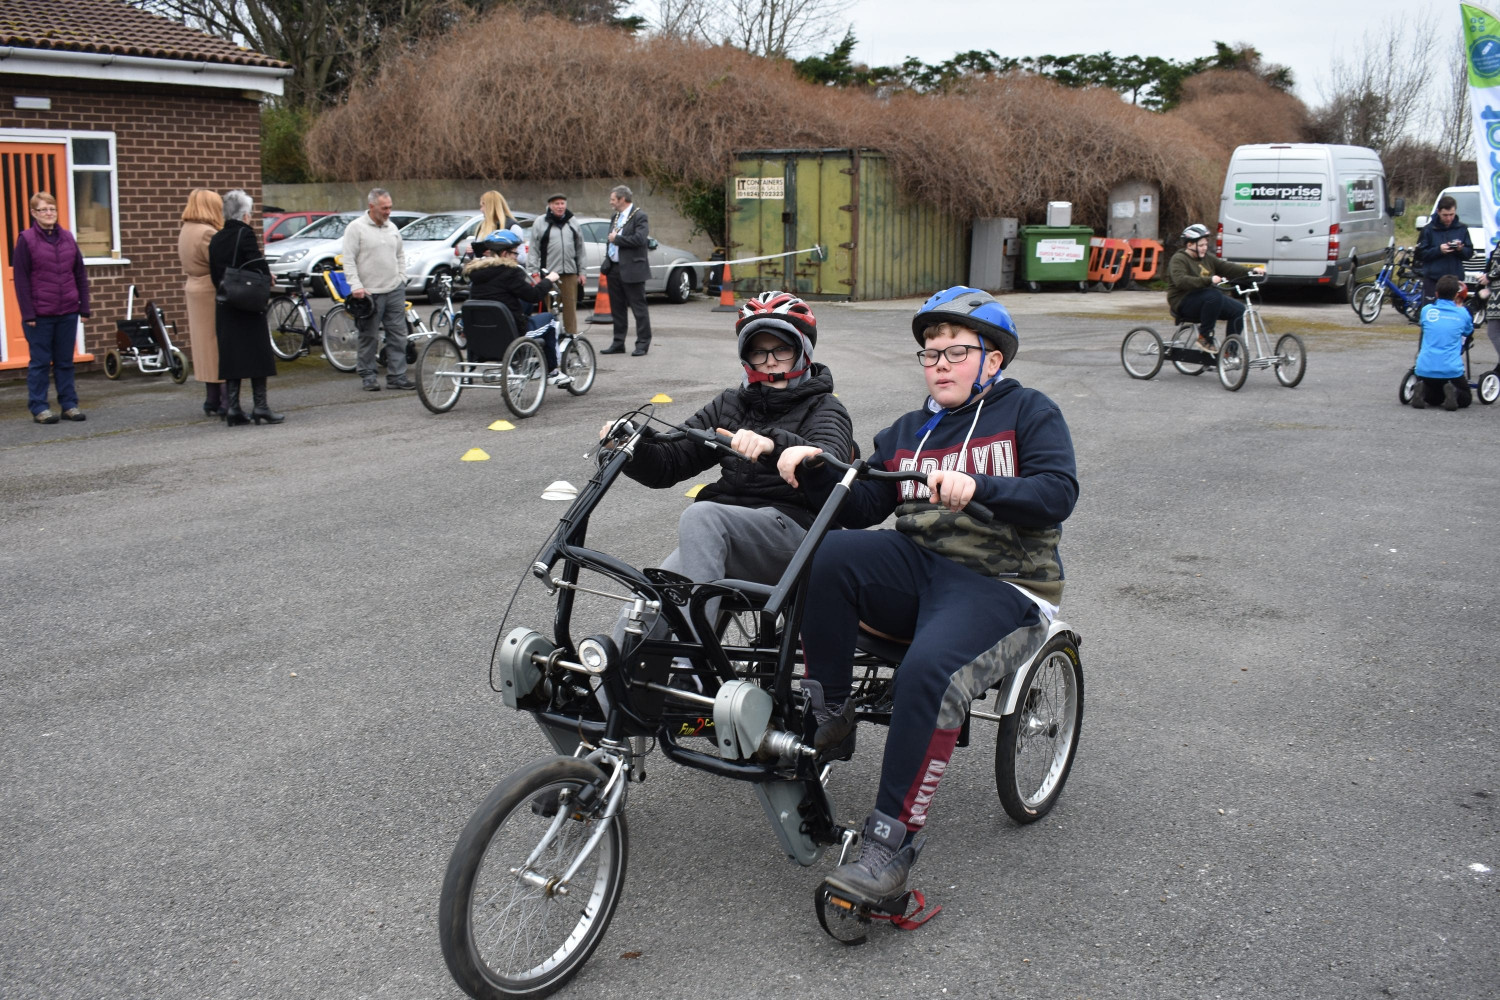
(614,800)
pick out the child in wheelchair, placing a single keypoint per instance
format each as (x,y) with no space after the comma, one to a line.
(975,599)
(495,274)
(748,524)
(1442,377)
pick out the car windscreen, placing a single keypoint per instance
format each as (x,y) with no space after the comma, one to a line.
(1468,207)
(331,228)
(434,227)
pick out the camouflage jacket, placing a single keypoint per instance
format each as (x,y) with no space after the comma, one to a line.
(1020,454)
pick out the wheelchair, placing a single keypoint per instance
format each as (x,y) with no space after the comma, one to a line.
(145,344)
(537,872)
(494,355)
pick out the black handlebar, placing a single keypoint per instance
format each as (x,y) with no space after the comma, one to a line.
(710,439)
(974,509)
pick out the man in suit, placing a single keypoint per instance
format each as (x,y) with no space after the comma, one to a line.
(626,266)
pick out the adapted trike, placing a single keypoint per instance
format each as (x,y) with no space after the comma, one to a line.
(1486,389)
(1143,351)
(484,350)
(145,343)
(537,872)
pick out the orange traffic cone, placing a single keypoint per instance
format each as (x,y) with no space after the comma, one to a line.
(726,293)
(602,311)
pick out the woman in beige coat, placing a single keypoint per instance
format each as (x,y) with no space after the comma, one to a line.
(203,216)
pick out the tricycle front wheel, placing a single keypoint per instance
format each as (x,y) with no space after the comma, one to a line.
(508,926)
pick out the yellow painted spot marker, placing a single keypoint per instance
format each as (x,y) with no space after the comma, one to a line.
(476,455)
(502,425)
(661,397)
(694,491)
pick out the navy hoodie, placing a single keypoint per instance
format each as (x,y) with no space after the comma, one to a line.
(1021,457)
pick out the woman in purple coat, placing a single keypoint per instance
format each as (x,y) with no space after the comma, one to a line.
(52,290)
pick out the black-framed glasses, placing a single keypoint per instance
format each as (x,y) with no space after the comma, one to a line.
(955,354)
(782,352)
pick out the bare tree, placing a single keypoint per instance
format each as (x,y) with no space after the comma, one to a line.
(1380,94)
(776,28)
(1455,122)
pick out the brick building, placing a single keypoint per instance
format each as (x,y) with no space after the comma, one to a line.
(119,113)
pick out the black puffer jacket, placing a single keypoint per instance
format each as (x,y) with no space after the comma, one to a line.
(803,414)
(501,281)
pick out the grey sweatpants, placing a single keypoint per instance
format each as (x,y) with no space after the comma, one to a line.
(390,318)
(717,541)
(1493,329)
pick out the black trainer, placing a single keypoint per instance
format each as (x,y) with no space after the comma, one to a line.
(834,737)
(1450,397)
(879,874)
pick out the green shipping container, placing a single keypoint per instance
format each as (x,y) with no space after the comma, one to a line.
(878,243)
(1055,253)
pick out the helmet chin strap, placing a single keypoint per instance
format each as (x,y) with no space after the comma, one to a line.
(752,376)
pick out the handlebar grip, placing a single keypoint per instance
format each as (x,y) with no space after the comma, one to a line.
(980,512)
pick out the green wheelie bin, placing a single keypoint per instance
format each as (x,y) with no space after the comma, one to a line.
(1055,253)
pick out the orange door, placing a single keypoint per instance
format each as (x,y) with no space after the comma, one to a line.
(25,169)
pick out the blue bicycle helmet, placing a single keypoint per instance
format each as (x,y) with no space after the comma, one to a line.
(498,241)
(978,310)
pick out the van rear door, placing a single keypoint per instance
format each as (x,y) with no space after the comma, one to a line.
(1299,217)
(1246,221)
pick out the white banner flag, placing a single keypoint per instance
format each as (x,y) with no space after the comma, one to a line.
(1482,50)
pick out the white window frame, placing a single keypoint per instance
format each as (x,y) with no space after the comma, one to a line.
(65,138)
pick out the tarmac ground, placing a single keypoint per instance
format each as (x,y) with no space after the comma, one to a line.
(246,702)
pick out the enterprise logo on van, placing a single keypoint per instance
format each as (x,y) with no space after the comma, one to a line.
(1278,192)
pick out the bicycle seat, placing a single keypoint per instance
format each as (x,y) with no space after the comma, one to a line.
(877,643)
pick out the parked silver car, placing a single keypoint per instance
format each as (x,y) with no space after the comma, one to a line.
(677,283)
(436,243)
(313,249)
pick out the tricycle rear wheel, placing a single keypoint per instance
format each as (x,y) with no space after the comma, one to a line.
(1035,748)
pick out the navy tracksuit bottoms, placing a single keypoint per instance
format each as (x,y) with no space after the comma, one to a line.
(967,630)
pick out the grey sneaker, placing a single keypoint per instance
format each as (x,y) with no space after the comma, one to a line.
(879,874)
(45,417)
(73,413)
(370,384)
(834,737)
(400,383)
(1419,398)
(1450,397)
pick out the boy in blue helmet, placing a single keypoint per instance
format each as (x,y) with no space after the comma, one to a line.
(975,599)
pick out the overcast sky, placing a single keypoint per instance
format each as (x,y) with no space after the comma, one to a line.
(1305,35)
(1302,34)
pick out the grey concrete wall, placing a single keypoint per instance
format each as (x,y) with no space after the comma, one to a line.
(585,197)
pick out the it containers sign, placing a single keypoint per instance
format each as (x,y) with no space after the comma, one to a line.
(1271,191)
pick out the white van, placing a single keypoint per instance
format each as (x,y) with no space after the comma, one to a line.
(1471,212)
(1313,214)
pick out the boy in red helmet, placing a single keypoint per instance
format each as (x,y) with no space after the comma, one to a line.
(748,524)
(975,599)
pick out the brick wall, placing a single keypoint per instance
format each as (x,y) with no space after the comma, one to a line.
(168,140)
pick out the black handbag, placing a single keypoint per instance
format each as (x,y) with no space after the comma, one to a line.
(243,289)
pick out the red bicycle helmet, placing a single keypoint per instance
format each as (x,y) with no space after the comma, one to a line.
(784,316)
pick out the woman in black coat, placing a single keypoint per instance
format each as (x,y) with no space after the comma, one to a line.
(244,344)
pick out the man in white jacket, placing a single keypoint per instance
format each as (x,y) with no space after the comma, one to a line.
(375,265)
